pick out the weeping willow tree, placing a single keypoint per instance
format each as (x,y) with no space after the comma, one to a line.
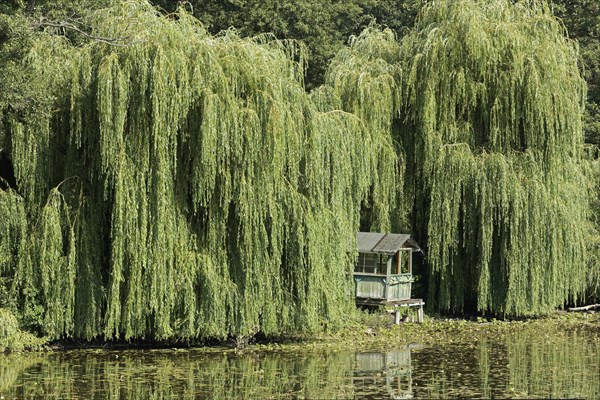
(495,97)
(485,104)
(182,186)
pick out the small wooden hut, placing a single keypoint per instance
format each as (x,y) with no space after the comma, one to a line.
(383,271)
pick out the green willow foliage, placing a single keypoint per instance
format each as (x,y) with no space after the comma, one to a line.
(592,155)
(495,99)
(179,185)
(363,78)
(12,338)
(487,101)
(182,186)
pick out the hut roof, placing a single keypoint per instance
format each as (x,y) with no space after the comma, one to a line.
(384,243)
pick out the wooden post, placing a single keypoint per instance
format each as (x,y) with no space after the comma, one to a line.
(420,313)
(387,278)
(397,315)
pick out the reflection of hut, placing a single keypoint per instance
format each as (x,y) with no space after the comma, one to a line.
(385,370)
(383,271)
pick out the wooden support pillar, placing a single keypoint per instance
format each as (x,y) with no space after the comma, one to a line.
(409,317)
(420,313)
(388,272)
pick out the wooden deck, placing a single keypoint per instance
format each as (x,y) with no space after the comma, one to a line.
(397,304)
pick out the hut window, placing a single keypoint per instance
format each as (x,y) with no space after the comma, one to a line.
(368,263)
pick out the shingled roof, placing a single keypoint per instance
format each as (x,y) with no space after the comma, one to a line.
(384,243)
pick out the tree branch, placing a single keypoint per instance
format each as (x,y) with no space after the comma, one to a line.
(585,308)
(72,27)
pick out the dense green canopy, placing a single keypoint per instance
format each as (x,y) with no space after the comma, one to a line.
(181,186)
(487,99)
(172,184)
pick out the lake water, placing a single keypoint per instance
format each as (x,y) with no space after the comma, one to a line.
(544,366)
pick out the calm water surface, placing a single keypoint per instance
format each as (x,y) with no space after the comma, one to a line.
(516,367)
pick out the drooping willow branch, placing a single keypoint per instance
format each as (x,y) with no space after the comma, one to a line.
(72,26)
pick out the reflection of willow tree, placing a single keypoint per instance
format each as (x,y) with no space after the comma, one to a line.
(518,366)
(454,370)
(187,375)
(553,368)
(12,367)
(181,185)
(485,102)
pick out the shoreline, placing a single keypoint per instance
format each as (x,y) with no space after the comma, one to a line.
(371,330)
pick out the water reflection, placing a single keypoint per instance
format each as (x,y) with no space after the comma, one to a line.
(383,374)
(517,367)
(559,366)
